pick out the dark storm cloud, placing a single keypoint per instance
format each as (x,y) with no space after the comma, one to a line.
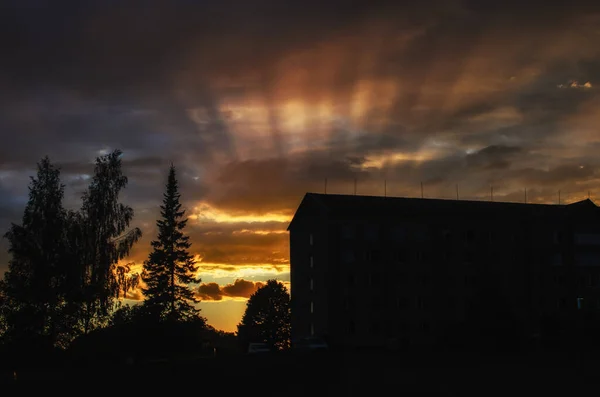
(494,156)
(239,289)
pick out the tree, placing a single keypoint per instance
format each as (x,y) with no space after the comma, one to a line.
(99,233)
(33,287)
(267,317)
(170,268)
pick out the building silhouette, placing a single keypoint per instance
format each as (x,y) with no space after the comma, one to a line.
(372,271)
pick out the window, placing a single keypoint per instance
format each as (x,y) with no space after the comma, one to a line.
(351,279)
(312,262)
(373,256)
(312,307)
(348,232)
(425,327)
(312,329)
(421,233)
(420,303)
(310,237)
(348,256)
(372,232)
(398,233)
(376,302)
(558,237)
(557,259)
(451,302)
(374,328)
(419,256)
(446,235)
(587,239)
(401,302)
(312,284)
(469,236)
(587,259)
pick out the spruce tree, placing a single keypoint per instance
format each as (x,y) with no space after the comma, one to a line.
(170,267)
(33,287)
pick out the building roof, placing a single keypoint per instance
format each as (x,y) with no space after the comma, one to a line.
(346,205)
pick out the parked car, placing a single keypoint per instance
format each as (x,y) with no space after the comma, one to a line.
(311,344)
(258,348)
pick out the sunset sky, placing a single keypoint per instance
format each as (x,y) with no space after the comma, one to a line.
(257,102)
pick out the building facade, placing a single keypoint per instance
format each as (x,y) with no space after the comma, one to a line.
(374,271)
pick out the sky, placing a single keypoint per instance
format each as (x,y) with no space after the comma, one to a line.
(258,102)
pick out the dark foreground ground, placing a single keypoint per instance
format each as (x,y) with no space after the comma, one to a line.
(355,374)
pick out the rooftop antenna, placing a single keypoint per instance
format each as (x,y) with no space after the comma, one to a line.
(457,191)
(559,197)
(492,193)
(325,185)
(421,189)
(525,195)
(384,188)
(588,194)
(355,186)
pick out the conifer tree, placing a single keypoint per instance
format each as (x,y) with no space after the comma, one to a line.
(33,287)
(170,267)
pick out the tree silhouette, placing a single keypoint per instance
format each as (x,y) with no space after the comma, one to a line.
(33,287)
(99,235)
(267,317)
(170,267)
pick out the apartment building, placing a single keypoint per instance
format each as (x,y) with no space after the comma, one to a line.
(370,271)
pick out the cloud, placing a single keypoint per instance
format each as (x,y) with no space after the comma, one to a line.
(258,104)
(239,289)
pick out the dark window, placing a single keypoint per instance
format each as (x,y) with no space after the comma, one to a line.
(372,232)
(374,328)
(351,279)
(451,302)
(376,302)
(446,235)
(401,302)
(373,256)
(348,232)
(469,236)
(425,327)
(420,303)
(558,237)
